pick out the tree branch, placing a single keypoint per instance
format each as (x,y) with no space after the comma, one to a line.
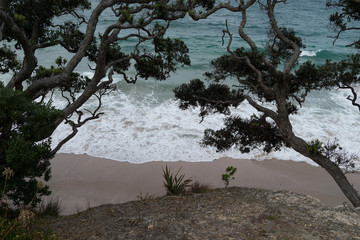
(30,61)
(253,47)
(353,99)
(258,107)
(291,62)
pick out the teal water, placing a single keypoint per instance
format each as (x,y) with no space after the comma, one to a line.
(143,123)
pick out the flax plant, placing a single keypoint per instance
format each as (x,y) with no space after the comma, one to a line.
(175,184)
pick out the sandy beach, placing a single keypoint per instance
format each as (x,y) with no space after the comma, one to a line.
(82,181)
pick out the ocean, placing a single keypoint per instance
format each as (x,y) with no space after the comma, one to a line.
(143,123)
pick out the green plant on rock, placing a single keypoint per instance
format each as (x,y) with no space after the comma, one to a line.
(175,184)
(226,177)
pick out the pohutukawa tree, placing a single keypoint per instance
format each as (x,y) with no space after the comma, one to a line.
(27,26)
(270,76)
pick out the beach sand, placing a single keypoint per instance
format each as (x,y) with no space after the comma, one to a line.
(82,181)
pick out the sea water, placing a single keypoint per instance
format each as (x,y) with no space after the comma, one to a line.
(142,121)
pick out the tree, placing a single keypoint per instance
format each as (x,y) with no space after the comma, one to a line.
(22,122)
(266,77)
(27,26)
(346,19)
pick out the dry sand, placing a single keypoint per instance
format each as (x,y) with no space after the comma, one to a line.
(82,181)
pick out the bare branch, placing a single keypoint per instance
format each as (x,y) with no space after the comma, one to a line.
(352,98)
(75,126)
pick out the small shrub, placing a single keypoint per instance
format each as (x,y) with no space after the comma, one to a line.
(199,188)
(175,184)
(226,177)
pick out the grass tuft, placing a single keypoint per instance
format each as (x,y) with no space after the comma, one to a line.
(50,207)
(198,187)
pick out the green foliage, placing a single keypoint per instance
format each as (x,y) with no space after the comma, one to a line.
(173,50)
(23,124)
(175,184)
(20,19)
(150,67)
(215,98)
(41,15)
(315,147)
(345,72)
(8,61)
(228,175)
(168,53)
(244,134)
(114,53)
(126,16)
(234,66)
(160,11)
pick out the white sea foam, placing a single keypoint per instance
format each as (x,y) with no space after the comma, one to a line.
(148,130)
(308,53)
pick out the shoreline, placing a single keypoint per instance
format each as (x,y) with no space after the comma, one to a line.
(83,181)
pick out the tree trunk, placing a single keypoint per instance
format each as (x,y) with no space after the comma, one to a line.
(298,144)
(334,170)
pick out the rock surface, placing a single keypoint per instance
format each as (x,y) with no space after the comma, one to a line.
(237,213)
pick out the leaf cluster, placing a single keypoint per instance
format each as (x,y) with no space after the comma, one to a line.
(235,66)
(8,60)
(215,98)
(228,175)
(38,15)
(245,135)
(168,53)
